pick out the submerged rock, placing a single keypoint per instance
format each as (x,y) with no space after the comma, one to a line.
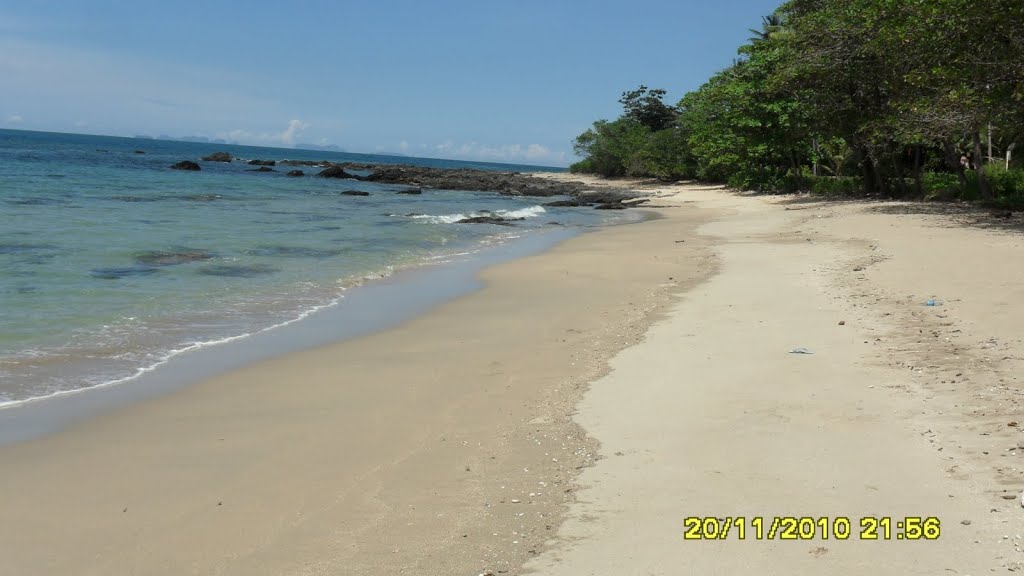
(261,169)
(236,270)
(117,273)
(296,173)
(186,165)
(296,252)
(355,193)
(488,220)
(171,257)
(217,157)
(334,172)
(135,152)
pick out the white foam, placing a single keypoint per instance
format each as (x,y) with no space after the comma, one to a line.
(530,212)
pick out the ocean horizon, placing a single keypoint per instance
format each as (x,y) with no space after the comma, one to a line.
(113,263)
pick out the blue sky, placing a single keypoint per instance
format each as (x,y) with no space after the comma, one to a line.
(480,80)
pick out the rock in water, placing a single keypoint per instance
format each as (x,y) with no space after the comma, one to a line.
(411,191)
(262,163)
(186,165)
(217,157)
(566,204)
(355,193)
(488,220)
(261,169)
(611,206)
(334,172)
(172,257)
(296,173)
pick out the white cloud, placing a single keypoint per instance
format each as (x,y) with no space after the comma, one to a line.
(511,153)
(15,119)
(284,138)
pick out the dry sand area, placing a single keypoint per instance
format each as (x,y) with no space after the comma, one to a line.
(567,418)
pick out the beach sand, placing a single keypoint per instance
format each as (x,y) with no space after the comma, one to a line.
(571,414)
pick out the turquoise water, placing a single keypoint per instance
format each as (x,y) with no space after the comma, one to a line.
(111,263)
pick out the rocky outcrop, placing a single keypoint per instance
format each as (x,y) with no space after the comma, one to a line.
(296,173)
(355,193)
(323,163)
(567,204)
(334,172)
(262,163)
(186,165)
(509,183)
(217,157)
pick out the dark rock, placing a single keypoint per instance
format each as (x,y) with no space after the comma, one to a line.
(355,193)
(236,270)
(323,163)
(186,165)
(611,206)
(296,252)
(217,157)
(136,152)
(509,183)
(606,196)
(334,172)
(117,273)
(171,257)
(261,169)
(411,191)
(567,204)
(262,163)
(488,220)
(296,173)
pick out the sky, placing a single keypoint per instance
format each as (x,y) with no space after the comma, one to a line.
(488,80)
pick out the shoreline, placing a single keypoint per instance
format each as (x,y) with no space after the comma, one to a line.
(409,291)
(408,422)
(567,417)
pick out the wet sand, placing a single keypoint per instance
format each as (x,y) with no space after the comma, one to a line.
(442,446)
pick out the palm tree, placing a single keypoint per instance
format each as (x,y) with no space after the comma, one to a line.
(769,25)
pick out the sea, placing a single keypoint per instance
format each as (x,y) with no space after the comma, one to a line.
(112,264)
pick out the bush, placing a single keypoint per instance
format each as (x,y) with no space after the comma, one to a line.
(836,185)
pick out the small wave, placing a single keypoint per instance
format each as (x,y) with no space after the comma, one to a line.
(530,212)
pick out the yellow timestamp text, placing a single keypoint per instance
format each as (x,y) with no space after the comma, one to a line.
(811,528)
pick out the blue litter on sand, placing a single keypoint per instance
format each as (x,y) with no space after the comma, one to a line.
(933,303)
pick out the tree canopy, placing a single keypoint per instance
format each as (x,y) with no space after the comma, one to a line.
(888,97)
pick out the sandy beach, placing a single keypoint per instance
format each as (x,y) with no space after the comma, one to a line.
(569,416)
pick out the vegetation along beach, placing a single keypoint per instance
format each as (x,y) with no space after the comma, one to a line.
(583,307)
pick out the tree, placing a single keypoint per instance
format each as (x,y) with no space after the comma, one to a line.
(647,107)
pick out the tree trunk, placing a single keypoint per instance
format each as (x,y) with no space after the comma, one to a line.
(918,186)
(983,185)
(868,173)
(953,161)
